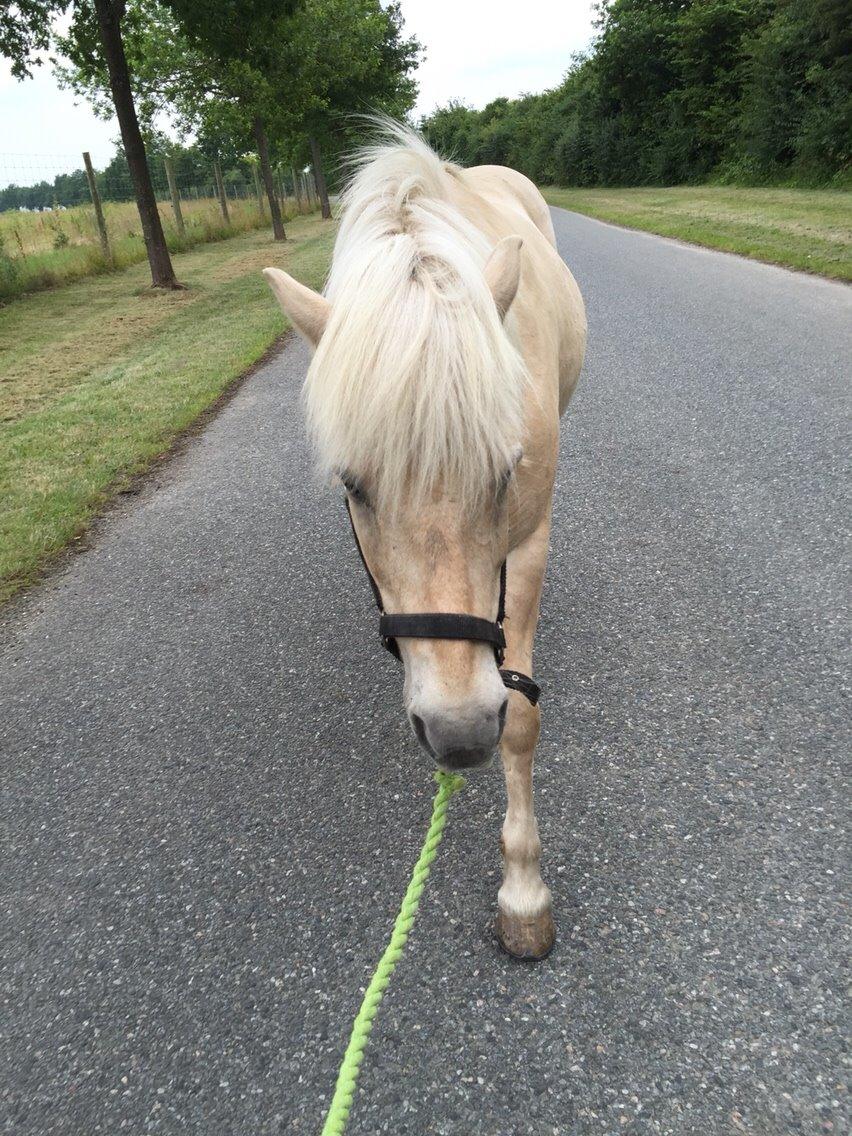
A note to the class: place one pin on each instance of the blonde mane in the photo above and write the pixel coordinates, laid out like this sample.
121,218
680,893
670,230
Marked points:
415,382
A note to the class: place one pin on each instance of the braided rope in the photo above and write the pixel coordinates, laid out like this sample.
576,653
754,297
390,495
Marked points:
344,1091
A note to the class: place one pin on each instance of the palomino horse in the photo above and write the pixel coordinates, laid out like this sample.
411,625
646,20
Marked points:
447,345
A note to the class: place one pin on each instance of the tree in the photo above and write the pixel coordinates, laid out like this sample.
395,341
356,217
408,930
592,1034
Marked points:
26,29
341,57
288,88
109,14
202,63
797,108
242,39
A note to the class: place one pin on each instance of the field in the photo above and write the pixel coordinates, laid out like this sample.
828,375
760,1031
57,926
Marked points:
98,378
809,230
44,250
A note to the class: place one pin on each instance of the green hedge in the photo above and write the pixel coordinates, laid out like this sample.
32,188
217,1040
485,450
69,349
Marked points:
677,92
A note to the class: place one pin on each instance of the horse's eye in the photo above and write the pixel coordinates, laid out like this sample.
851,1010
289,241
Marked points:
354,489
504,484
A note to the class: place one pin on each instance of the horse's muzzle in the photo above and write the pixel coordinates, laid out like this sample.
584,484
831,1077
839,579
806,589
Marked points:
456,742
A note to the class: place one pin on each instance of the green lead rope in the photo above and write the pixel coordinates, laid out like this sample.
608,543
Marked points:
344,1090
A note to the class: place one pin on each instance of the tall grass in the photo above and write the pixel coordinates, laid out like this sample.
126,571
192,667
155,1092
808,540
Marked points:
46,250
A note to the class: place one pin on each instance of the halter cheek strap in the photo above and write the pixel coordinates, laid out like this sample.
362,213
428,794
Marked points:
448,625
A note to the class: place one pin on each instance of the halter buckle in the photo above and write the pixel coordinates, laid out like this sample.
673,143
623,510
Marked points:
500,651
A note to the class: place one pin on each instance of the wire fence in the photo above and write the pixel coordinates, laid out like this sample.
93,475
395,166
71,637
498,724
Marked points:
49,203
61,222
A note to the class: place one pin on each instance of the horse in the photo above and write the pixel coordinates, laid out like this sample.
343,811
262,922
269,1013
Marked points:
446,346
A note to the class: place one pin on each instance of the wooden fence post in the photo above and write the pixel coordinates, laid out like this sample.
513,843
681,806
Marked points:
220,186
96,201
258,190
173,190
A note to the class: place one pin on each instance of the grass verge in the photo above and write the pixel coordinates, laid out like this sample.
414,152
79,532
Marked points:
98,379
810,230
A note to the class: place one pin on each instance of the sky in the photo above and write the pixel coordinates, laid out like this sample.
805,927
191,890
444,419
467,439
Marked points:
476,50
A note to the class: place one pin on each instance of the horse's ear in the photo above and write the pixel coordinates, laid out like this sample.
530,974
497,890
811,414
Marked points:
503,271
307,310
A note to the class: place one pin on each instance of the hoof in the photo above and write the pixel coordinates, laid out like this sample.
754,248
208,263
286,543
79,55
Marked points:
529,937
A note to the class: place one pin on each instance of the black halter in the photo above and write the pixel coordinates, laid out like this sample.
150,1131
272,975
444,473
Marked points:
448,625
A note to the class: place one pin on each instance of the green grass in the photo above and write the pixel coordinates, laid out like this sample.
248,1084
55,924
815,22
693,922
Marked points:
98,378
805,229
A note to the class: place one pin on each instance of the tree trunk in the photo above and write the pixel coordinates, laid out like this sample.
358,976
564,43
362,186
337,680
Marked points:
269,185
109,13
319,178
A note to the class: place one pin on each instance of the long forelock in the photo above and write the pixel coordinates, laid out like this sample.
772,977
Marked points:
415,383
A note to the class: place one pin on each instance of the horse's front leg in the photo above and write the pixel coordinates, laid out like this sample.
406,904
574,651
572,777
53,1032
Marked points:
524,917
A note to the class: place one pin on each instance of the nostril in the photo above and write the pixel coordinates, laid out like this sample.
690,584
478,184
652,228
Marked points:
420,732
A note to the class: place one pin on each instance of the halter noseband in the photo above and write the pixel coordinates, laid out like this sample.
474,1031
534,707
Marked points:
448,625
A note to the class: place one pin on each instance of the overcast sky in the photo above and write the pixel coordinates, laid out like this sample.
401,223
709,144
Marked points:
476,50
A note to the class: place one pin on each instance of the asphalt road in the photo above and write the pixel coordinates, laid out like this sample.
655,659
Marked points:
211,801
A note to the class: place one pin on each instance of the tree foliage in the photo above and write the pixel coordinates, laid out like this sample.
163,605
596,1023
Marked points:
25,30
344,59
304,70
679,91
